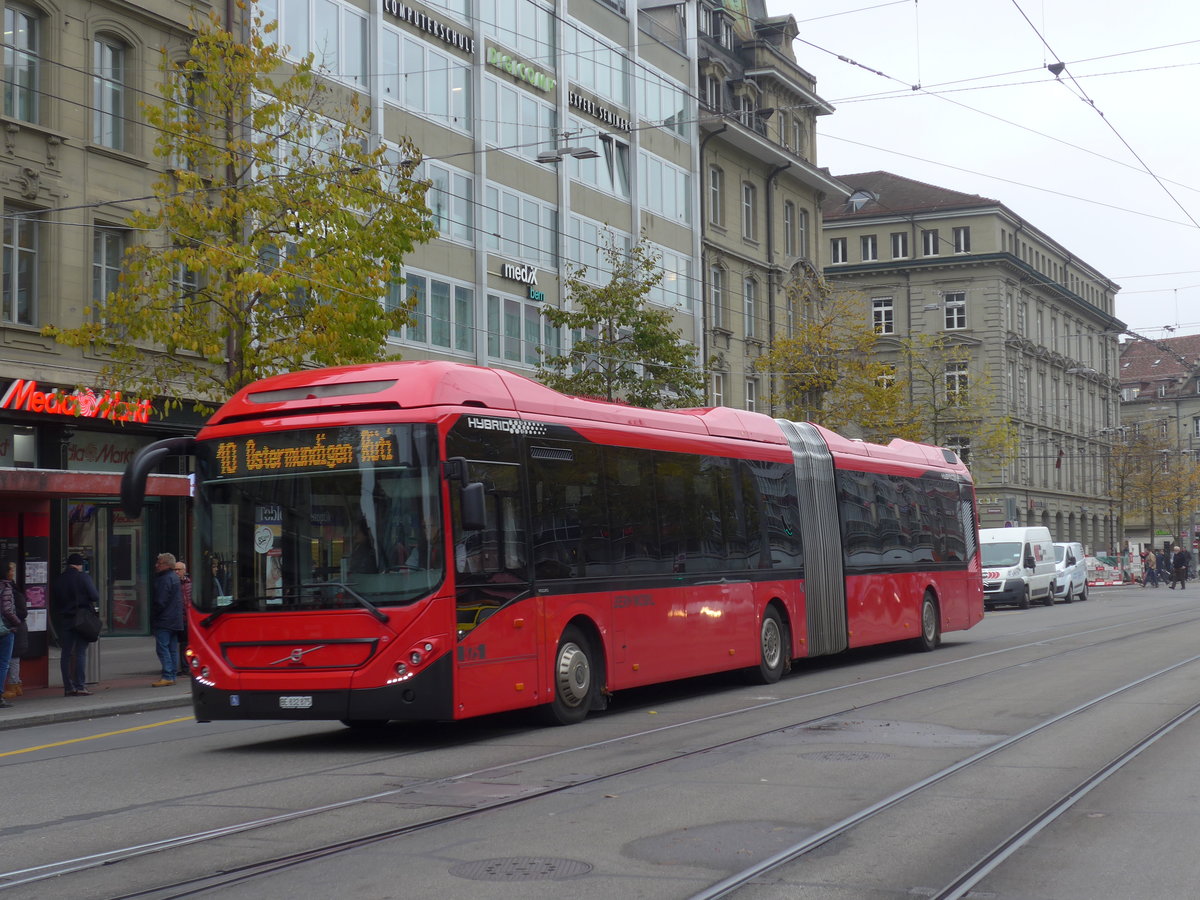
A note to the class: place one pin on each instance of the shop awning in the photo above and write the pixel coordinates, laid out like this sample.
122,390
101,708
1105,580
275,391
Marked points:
69,483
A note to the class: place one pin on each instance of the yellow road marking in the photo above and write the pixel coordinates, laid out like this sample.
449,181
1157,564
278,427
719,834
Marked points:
96,736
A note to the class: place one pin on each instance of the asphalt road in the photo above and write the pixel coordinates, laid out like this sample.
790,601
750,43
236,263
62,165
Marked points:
1037,756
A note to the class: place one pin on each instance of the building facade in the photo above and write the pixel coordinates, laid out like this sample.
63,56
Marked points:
761,192
1037,325
549,130
1160,419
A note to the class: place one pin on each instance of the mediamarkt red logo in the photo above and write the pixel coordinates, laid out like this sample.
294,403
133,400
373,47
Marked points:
24,395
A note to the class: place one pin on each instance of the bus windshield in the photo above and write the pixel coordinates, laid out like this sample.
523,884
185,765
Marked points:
333,518
1007,553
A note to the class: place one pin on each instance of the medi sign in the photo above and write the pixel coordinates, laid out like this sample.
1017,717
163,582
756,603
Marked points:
22,394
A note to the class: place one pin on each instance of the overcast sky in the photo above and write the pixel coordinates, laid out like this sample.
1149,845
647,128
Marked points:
1121,190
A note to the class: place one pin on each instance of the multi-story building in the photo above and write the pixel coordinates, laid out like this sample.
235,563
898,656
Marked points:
1037,321
1160,406
547,130
761,191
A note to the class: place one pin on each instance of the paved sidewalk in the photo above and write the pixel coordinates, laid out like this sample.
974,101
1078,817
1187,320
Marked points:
127,667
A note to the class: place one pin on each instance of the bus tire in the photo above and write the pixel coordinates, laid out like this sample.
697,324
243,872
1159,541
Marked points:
931,624
574,679
774,649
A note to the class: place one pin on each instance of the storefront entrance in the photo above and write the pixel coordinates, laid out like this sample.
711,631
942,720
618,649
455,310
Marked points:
118,561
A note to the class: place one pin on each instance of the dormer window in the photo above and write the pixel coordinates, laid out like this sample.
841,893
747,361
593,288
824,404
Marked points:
859,199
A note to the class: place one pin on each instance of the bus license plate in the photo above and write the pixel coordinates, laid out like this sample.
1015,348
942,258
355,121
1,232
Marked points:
295,702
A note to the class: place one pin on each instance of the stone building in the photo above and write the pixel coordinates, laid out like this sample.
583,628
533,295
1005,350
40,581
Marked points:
1038,322
1160,404
761,190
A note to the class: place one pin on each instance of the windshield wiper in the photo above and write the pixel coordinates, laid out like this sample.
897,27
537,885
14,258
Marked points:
359,598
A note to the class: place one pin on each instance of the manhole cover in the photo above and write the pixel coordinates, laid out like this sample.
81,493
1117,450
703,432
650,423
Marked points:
521,868
845,756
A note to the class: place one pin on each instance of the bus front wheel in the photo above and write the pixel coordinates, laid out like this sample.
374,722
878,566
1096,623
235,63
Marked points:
574,679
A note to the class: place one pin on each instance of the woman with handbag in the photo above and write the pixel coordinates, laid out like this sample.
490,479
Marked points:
13,686
9,623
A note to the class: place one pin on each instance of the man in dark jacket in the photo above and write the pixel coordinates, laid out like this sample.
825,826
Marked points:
166,617
1179,571
72,590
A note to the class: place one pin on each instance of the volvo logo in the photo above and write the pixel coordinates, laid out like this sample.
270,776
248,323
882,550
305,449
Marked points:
296,657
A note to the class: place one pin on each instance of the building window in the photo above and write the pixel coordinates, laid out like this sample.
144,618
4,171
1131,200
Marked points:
1196,427
21,238
716,297
837,250
956,309
789,228
449,199
956,383
716,195
962,240
752,394
712,92
960,444
442,314
798,138
887,378
899,245
108,93
883,313
750,306
21,29
749,211
108,250
929,242
802,233
517,331
870,247
718,389
609,172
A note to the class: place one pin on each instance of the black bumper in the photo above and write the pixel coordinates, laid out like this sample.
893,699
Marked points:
427,697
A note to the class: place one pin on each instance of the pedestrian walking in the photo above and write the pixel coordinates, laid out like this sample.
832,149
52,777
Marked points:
72,590
9,623
185,585
1180,562
166,617
13,686
1149,567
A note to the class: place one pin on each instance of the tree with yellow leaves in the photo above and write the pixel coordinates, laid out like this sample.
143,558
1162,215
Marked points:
278,227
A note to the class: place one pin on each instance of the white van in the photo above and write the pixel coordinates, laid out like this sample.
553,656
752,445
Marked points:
1018,566
1070,579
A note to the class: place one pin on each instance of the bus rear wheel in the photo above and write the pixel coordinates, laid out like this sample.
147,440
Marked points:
774,649
574,679
931,625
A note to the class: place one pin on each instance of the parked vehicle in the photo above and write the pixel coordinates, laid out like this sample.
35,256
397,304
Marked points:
1018,566
1070,580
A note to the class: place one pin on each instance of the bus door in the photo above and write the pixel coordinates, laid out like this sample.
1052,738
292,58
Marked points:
497,618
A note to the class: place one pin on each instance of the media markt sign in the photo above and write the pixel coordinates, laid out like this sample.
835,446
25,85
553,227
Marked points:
88,404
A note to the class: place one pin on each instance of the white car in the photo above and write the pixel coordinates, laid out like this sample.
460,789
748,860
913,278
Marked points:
1071,581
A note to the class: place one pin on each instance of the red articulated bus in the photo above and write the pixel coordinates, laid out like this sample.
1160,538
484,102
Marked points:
434,541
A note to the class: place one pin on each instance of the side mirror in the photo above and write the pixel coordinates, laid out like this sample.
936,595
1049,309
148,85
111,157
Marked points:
474,513
1029,562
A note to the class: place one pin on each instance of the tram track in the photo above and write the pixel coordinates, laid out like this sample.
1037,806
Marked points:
973,874
247,873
